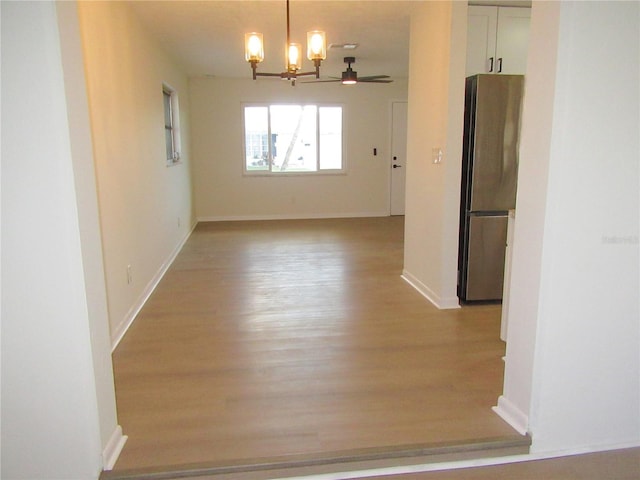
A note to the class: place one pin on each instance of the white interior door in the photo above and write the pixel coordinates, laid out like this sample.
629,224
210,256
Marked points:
398,156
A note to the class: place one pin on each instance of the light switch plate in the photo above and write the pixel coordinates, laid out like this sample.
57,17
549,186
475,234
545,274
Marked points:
436,155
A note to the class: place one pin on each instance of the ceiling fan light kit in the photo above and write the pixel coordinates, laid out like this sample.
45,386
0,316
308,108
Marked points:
316,52
349,76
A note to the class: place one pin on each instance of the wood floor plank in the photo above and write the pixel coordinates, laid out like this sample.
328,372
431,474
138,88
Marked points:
297,337
621,464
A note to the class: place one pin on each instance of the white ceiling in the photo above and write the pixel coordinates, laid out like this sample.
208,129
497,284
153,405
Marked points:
208,36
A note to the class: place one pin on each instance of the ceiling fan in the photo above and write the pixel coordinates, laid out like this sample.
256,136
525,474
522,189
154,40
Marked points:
350,76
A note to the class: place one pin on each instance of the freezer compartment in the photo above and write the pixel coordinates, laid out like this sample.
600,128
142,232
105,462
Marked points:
485,253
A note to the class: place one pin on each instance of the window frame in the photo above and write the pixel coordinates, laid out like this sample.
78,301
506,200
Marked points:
269,172
174,127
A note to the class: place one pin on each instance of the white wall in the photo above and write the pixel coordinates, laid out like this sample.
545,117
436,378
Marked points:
58,404
435,120
572,365
221,190
90,238
535,140
145,206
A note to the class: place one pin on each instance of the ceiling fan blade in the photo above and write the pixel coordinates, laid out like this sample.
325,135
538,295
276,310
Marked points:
372,77
360,80
367,79
321,81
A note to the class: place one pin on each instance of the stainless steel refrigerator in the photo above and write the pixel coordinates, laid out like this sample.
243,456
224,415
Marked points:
489,176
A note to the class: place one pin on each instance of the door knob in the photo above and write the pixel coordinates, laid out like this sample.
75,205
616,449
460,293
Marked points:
397,166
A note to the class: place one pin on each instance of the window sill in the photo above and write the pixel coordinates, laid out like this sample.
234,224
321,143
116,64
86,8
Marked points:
294,174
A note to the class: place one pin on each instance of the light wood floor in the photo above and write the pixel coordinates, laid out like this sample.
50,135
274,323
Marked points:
612,465
279,338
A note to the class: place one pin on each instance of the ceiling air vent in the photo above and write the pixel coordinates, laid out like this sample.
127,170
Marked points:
343,46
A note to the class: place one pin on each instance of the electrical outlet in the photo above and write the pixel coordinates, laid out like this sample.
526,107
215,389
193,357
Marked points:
129,277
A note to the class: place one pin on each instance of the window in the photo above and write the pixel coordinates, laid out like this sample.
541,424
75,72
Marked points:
292,139
171,125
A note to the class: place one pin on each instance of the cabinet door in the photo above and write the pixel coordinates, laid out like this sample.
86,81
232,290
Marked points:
512,42
481,38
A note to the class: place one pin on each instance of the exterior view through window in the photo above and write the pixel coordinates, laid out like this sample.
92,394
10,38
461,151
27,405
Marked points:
293,139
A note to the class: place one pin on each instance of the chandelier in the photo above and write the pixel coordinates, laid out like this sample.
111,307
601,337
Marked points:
316,52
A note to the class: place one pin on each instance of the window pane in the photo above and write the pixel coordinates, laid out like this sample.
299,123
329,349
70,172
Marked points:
330,138
256,134
168,140
167,109
293,131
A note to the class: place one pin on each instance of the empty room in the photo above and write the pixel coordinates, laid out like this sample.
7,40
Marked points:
248,268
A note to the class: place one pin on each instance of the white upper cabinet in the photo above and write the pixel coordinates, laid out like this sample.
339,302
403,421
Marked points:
497,39
512,42
482,28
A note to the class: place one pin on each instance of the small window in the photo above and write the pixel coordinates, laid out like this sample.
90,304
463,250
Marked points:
293,139
171,125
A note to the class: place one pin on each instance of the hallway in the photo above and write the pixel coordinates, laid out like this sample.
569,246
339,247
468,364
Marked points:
283,338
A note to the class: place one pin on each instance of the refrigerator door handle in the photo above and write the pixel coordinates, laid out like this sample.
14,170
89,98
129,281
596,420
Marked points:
490,64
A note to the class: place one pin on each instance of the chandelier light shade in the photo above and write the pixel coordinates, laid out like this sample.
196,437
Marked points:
316,46
316,52
254,51
294,58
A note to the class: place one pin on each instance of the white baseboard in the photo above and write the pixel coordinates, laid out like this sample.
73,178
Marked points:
123,326
440,302
447,466
512,415
113,448
306,216
605,447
